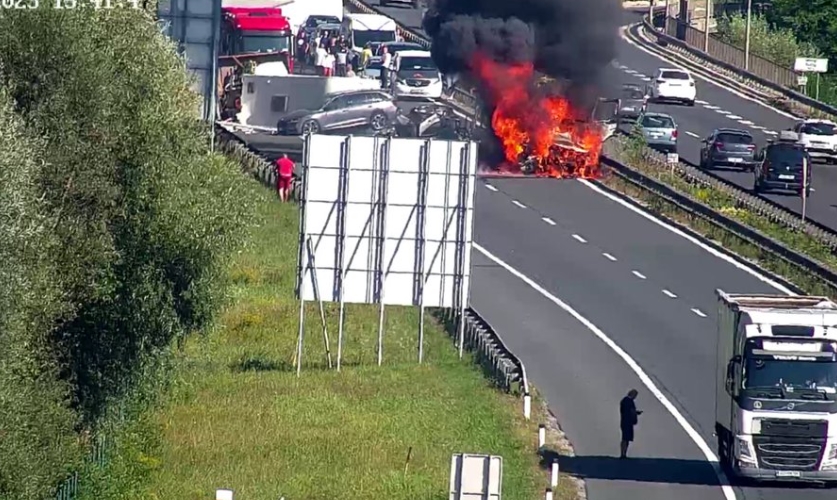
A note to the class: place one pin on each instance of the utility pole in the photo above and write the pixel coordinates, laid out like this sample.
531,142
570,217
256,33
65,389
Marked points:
708,4
747,36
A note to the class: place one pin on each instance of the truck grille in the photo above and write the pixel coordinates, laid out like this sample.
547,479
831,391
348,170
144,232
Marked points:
786,453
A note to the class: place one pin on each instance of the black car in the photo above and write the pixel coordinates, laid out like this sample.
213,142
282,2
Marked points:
728,147
783,165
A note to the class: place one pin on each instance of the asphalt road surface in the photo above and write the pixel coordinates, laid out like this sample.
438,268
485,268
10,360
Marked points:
716,107
649,289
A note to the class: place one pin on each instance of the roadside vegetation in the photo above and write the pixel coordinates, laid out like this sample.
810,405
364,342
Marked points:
633,151
787,30
116,228
237,416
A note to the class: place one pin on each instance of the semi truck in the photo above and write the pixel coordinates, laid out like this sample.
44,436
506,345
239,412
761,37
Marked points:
257,30
776,387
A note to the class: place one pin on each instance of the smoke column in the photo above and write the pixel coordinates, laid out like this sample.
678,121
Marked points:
570,40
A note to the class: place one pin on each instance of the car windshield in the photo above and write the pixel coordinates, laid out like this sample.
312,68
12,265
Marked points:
632,94
657,122
361,38
674,75
315,21
819,129
392,48
728,138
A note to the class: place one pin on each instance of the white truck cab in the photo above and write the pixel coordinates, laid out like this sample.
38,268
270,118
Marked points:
819,138
776,387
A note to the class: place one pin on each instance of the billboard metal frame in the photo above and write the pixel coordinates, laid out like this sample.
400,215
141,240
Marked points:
460,167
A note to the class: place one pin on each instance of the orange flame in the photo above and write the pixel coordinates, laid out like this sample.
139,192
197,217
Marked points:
545,131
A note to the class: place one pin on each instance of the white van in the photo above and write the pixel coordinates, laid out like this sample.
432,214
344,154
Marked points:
360,29
414,74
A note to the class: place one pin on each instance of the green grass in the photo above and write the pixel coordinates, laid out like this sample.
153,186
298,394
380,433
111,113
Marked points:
239,418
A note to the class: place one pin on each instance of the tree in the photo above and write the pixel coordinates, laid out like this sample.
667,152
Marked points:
774,44
132,224
812,21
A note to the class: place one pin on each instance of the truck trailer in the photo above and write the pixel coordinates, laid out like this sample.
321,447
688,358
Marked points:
776,387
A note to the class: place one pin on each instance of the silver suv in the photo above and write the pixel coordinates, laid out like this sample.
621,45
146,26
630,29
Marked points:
362,108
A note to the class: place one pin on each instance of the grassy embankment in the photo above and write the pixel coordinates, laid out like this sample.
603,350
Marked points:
239,418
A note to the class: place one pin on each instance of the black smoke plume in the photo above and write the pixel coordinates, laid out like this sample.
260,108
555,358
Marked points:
570,40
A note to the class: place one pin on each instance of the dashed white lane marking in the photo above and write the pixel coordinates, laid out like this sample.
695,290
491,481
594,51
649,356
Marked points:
645,78
770,132
745,122
733,117
631,71
757,127
521,205
722,112
548,221
638,275
579,238
692,134
669,294
490,187
710,106
701,102
609,257
699,312
647,381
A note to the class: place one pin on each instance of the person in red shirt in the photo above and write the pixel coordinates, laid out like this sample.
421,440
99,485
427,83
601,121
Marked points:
284,177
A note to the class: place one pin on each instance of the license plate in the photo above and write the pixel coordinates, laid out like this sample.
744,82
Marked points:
736,160
787,177
787,473
416,91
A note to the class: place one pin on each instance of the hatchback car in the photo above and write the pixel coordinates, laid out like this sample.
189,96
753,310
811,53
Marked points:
674,85
783,165
633,102
364,108
728,147
659,131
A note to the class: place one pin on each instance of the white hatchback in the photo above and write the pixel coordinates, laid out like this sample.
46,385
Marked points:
674,85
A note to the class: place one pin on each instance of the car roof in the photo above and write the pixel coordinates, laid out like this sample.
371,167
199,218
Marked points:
676,70
412,44
817,120
732,131
355,92
414,53
654,114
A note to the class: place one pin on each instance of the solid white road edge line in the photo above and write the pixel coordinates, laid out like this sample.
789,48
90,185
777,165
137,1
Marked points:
721,255
701,77
727,490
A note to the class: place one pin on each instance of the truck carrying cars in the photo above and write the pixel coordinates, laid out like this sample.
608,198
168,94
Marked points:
776,387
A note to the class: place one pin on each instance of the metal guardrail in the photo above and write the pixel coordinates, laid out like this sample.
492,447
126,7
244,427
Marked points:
773,78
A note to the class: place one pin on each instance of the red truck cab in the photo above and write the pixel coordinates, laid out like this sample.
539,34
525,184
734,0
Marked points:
257,30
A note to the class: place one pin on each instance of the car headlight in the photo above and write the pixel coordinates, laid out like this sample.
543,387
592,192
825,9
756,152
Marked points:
832,453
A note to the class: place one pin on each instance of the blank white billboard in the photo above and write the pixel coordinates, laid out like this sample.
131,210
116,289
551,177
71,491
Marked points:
389,220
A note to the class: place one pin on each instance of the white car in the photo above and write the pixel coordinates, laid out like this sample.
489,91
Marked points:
414,74
674,85
819,138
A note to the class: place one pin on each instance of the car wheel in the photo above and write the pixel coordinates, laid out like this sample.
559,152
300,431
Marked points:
690,103
310,127
378,121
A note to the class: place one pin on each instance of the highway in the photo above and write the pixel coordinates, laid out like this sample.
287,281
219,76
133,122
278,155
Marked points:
717,107
647,288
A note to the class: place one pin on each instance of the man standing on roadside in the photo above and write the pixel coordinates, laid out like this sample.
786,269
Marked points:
628,418
284,177
386,62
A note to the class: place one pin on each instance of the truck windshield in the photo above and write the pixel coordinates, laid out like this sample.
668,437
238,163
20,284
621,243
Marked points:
265,42
361,38
771,371
822,128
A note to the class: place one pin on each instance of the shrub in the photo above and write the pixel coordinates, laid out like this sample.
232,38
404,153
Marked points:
772,43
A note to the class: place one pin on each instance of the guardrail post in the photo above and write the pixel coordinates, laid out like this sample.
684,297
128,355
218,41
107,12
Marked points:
541,436
527,406
553,479
548,494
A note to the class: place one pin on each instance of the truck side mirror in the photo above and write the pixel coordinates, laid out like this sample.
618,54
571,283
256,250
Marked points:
730,379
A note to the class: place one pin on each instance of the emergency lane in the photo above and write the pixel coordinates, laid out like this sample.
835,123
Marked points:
613,266
717,107
585,391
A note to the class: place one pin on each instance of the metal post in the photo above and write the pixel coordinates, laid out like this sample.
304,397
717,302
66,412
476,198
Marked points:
817,91
667,13
382,238
422,244
301,260
464,191
651,13
706,26
341,217
804,188
747,35
312,264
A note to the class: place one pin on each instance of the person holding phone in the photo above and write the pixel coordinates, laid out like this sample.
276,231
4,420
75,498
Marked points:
628,418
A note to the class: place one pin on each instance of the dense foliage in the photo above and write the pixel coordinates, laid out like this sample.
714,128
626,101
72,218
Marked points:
774,43
116,226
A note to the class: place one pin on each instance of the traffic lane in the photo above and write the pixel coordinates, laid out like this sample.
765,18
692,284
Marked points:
626,243
634,58
405,14
665,337
583,380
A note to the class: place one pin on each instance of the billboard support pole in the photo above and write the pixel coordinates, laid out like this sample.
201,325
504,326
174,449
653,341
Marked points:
312,271
421,227
383,192
345,167
459,272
